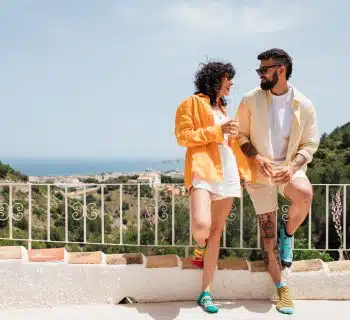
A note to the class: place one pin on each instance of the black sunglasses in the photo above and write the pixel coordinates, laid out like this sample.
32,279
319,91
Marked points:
263,70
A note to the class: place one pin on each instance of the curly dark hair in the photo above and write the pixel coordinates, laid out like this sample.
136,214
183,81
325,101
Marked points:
280,56
208,78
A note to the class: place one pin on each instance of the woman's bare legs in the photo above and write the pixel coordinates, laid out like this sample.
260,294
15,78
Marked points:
200,201
220,210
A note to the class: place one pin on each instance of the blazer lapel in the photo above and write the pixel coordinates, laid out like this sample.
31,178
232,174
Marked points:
264,117
295,127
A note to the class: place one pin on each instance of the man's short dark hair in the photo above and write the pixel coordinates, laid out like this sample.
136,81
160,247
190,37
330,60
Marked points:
280,56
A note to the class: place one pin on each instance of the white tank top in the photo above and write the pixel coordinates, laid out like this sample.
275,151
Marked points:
228,159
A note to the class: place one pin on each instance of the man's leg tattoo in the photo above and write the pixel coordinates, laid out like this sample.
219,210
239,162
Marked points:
267,232
266,258
267,227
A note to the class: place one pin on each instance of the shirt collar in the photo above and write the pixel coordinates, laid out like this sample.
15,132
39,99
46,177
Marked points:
297,97
207,99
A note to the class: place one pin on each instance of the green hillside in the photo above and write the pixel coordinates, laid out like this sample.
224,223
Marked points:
331,163
8,173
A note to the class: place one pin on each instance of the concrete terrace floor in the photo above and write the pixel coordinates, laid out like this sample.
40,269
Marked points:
184,310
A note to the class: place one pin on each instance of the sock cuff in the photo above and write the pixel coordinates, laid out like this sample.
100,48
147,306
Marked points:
280,285
202,248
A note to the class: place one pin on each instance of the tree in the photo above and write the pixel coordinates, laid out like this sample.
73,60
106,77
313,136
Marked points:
323,138
346,140
165,179
90,181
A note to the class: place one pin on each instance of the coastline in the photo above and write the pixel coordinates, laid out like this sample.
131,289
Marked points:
92,168
106,177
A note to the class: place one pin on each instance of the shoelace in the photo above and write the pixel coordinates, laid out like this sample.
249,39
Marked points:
207,302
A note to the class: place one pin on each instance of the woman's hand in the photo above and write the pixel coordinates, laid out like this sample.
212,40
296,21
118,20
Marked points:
230,127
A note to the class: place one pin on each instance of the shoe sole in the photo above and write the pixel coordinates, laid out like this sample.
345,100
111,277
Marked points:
284,310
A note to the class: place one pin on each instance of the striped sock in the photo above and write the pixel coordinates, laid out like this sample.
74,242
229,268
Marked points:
285,302
198,256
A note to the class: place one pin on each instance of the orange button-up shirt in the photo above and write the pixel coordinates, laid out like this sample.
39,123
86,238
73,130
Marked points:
195,129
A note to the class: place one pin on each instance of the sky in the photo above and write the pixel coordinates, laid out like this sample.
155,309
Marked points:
103,79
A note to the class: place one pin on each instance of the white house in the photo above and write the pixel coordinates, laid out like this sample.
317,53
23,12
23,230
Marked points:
150,178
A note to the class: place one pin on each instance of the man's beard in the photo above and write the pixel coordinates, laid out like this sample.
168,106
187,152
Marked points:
269,84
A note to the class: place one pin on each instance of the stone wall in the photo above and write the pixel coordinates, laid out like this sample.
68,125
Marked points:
54,277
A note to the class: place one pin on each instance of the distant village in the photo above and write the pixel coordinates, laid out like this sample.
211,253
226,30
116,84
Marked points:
148,177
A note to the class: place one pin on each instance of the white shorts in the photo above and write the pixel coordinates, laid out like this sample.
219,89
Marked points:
230,186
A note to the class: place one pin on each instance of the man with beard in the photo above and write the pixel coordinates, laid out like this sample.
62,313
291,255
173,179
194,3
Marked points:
278,133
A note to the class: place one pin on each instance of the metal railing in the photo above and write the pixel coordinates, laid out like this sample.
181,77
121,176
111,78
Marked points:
153,215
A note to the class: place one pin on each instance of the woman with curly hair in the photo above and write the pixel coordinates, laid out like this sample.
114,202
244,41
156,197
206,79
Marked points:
213,156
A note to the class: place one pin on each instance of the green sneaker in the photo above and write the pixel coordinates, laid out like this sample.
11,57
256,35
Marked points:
205,300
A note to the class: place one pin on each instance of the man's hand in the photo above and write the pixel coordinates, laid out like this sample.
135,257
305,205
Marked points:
285,174
264,165
230,127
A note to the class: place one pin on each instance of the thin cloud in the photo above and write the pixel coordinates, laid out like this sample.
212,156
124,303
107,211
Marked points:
211,17
228,19
174,29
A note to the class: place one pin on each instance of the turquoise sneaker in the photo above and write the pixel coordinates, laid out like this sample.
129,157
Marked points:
286,247
205,301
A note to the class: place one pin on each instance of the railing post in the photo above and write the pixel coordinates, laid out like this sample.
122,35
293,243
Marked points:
173,215
120,214
327,215
84,213
138,215
258,233
66,213
30,213
48,212
241,221
344,217
156,217
102,214
186,252
224,235
190,224
10,210
310,225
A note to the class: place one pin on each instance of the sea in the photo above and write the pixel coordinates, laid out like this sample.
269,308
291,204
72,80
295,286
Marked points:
66,167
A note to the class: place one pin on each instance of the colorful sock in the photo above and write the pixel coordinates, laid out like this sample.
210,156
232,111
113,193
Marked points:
198,256
285,303
286,247
280,285
205,300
